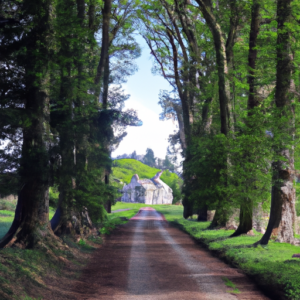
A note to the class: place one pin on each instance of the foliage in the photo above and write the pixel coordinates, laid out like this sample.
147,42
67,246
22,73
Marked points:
167,164
110,224
92,193
82,242
54,54
7,205
242,180
149,158
232,285
53,196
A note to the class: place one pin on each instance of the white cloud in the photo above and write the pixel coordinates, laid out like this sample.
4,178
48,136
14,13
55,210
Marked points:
153,134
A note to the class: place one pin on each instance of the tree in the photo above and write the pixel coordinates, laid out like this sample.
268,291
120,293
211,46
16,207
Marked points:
134,155
32,210
167,164
149,158
246,209
176,191
283,213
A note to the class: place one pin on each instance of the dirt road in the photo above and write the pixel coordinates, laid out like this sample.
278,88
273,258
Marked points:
147,259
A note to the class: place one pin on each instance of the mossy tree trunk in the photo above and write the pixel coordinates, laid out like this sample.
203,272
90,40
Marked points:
283,215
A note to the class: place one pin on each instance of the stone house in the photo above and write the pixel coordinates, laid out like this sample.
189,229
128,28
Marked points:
148,191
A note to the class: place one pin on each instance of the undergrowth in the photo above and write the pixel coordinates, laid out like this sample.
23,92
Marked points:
18,267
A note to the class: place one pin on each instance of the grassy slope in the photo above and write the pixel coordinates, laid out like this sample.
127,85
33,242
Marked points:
271,266
124,169
27,272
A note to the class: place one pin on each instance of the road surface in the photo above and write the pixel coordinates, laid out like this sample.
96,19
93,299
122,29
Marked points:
146,259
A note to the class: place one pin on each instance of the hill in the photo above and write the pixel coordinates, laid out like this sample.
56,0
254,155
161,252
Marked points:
124,169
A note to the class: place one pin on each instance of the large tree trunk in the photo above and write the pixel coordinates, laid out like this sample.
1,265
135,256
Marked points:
221,219
106,12
178,111
107,205
246,208
282,216
246,218
62,223
69,131
33,205
202,214
220,47
206,8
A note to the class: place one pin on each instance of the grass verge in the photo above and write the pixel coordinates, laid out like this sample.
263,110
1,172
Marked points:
42,274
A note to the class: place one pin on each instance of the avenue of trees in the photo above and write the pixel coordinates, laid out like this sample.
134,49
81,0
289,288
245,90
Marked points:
234,70
61,109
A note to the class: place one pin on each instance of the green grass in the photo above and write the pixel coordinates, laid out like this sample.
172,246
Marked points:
6,213
23,268
171,212
230,284
124,169
271,266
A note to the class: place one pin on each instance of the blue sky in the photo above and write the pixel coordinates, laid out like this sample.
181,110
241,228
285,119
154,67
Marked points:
144,88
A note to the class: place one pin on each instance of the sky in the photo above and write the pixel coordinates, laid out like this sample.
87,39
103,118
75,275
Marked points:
144,88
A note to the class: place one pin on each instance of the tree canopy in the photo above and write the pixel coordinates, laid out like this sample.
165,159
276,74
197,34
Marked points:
233,67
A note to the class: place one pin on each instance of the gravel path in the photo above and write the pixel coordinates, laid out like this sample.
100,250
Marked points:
147,259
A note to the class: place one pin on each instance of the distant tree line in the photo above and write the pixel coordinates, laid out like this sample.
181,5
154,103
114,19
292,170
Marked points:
150,160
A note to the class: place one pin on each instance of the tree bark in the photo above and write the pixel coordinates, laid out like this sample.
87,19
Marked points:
178,111
108,203
252,56
220,47
223,53
71,134
282,215
221,219
246,208
65,203
33,206
106,12
105,84
246,218
202,214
